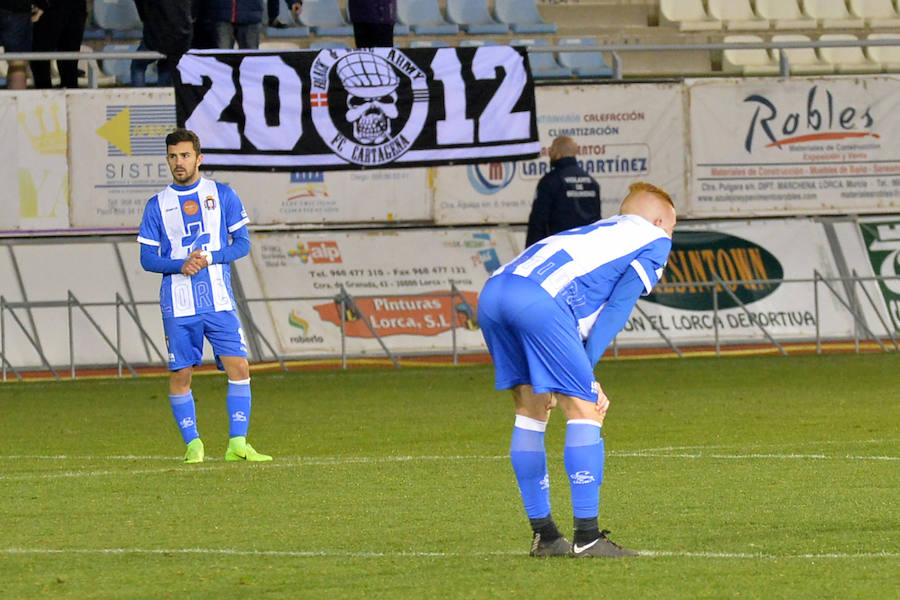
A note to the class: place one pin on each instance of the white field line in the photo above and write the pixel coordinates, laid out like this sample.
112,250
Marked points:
415,554
215,464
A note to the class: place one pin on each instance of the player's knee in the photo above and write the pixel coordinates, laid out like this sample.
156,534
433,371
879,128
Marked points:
578,408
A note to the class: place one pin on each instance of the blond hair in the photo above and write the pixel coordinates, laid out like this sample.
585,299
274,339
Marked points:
642,186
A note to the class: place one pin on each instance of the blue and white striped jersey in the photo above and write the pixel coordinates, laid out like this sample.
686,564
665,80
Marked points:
580,267
181,219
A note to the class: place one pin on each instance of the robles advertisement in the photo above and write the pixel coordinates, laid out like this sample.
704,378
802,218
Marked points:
798,146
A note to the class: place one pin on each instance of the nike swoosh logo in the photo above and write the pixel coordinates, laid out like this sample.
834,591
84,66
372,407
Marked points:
171,209
579,549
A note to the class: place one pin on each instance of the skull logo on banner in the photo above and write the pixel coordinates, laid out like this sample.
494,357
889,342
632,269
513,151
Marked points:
371,85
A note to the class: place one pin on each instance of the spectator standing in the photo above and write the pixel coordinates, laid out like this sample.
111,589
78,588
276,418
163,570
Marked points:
168,29
61,27
17,18
237,21
373,22
566,197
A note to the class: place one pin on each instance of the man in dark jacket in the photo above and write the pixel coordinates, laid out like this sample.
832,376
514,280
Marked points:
373,22
566,197
61,27
237,21
168,29
16,19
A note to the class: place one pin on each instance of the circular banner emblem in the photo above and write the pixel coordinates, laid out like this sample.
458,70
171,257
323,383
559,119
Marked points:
368,106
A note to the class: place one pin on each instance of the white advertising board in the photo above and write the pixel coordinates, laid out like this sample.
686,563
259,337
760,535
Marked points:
33,128
400,281
118,157
797,146
118,162
773,249
625,133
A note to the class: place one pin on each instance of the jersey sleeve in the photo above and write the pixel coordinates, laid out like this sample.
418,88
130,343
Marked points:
232,208
651,261
151,224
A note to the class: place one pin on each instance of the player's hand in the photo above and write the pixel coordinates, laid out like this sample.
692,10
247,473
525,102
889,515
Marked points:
193,263
602,404
296,9
36,14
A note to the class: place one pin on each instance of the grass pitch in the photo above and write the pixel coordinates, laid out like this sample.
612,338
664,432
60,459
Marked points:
758,477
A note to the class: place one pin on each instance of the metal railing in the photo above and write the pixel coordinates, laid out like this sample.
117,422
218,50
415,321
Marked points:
615,50
349,303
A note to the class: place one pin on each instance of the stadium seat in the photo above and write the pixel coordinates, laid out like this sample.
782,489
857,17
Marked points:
784,14
326,45
477,43
290,28
688,15
424,18
522,16
887,56
878,14
584,64
737,15
120,68
802,61
847,59
279,45
91,68
117,16
543,65
399,28
324,17
473,17
419,43
749,61
831,14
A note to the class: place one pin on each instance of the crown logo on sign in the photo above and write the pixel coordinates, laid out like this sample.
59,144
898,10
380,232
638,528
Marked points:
45,141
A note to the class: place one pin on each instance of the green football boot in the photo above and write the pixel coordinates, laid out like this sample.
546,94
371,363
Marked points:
194,453
239,449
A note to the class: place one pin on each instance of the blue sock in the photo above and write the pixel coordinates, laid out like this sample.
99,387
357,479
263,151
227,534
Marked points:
185,415
584,464
529,461
238,403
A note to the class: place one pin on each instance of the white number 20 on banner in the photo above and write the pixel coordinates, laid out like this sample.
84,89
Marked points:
346,109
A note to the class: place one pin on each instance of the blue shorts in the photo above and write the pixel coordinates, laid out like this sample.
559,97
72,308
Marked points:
533,340
15,31
184,338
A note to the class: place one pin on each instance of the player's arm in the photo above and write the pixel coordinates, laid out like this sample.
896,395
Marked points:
239,247
614,315
153,262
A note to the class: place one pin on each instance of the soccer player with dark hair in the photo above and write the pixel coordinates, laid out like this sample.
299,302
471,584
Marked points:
547,317
184,235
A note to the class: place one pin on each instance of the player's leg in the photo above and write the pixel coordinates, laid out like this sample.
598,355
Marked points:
528,455
584,458
496,307
184,340
224,332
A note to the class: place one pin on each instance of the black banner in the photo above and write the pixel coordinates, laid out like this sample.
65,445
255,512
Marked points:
353,109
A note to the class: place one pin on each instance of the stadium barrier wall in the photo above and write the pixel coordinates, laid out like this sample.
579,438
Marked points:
89,159
727,282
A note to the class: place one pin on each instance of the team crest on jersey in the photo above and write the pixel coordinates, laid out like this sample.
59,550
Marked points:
210,203
191,207
354,103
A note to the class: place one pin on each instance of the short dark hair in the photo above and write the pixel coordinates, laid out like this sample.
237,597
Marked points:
183,135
